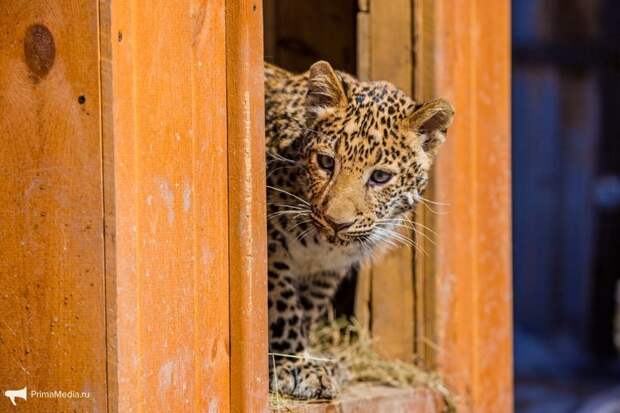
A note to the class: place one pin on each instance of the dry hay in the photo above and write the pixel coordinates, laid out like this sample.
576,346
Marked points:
347,343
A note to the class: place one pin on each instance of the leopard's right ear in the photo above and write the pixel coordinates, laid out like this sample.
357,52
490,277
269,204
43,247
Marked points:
325,91
431,121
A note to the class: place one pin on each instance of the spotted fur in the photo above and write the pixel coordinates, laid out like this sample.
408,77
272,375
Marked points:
346,160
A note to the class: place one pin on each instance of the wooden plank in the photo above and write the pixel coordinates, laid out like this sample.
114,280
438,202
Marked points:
391,42
363,44
473,172
248,239
364,276
362,305
392,303
165,175
52,323
425,214
298,42
364,398
270,19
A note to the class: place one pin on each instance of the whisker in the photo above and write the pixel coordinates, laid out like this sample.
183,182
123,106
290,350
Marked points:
393,220
433,202
415,231
426,228
297,212
303,234
312,232
279,157
299,223
402,239
419,224
364,246
272,171
429,208
413,228
368,244
288,193
304,128
288,206
384,238
298,237
398,236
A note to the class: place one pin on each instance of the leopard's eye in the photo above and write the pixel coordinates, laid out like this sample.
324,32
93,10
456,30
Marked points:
380,177
326,162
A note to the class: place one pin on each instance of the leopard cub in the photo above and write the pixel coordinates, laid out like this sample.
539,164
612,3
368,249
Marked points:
346,160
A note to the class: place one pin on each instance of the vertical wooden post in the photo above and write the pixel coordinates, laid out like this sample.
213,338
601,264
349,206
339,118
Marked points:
52,319
246,166
426,214
363,304
473,306
115,193
385,53
166,204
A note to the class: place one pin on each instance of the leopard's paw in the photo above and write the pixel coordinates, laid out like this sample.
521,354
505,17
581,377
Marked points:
306,379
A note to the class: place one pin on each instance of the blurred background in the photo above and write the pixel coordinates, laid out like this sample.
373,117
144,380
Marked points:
566,204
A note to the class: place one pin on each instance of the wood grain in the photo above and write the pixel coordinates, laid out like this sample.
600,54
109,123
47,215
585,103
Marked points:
426,214
52,322
474,302
300,33
363,302
390,29
166,204
248,241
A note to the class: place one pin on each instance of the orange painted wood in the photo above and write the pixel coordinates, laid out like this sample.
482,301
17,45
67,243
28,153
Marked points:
474,323
166,205
246,167
52,320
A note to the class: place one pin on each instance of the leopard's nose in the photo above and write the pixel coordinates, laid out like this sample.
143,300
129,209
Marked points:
338,225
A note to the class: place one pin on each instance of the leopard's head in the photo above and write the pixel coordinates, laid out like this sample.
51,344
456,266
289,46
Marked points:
367,152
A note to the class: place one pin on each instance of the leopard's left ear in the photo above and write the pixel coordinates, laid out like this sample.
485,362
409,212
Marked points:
325,91
431,121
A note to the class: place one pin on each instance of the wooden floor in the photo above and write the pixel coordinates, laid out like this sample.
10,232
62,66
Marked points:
376,399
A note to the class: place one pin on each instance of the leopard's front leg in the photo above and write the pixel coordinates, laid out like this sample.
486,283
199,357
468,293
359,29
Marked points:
292,371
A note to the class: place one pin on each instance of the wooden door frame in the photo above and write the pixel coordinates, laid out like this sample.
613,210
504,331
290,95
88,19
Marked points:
135,192
465,58
209,130
164,134
212,52
462,291
247,206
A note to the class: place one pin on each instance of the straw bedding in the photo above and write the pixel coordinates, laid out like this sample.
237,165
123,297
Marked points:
349,344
